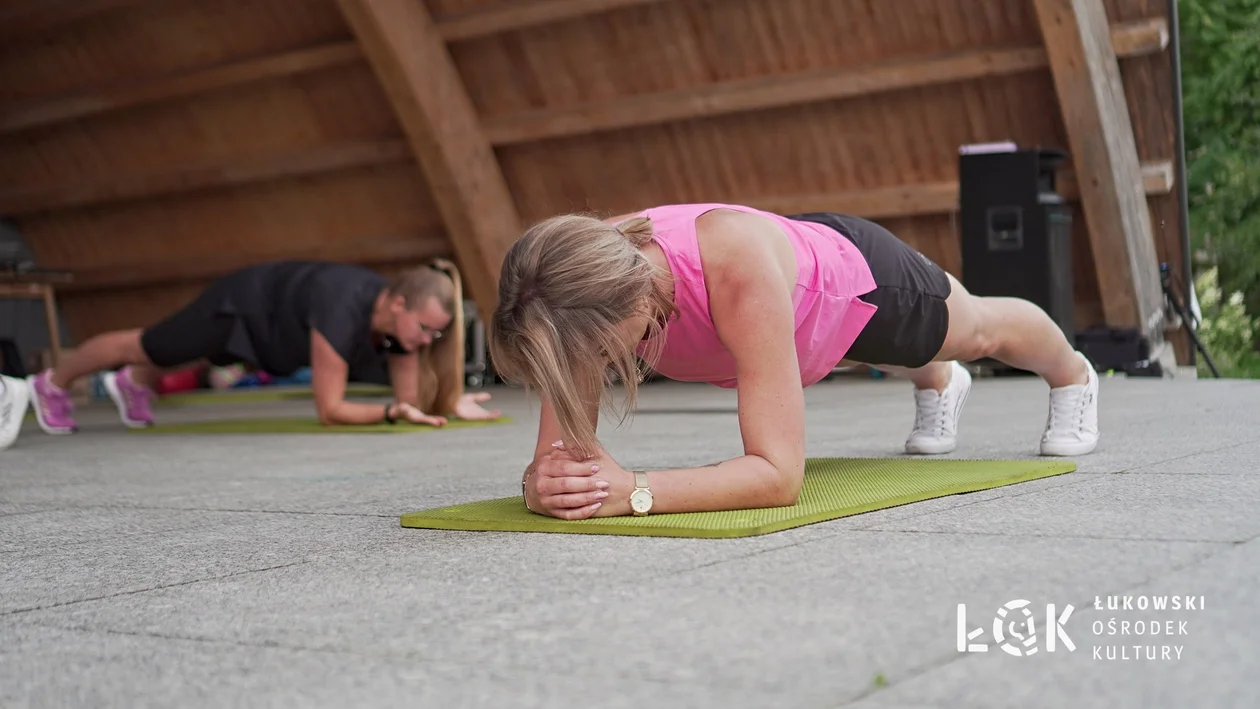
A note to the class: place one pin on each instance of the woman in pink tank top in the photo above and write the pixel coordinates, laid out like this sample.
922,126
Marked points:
762,303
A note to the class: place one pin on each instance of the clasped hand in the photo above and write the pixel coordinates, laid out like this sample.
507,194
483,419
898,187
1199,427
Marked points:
561,485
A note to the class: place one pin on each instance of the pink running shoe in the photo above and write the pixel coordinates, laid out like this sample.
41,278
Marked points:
53,408
133,400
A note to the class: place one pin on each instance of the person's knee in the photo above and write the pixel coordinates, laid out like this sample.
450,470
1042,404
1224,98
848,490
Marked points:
131,348
974,334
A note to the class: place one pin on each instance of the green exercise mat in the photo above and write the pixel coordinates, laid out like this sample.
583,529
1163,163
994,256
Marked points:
254,394
834,488
303,424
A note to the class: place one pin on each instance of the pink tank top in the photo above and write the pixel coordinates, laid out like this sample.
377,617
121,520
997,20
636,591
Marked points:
831,274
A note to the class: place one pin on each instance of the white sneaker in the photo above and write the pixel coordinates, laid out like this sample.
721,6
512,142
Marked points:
14,398
1072,426
936,414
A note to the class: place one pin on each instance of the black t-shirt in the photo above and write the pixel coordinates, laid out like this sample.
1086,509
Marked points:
278,304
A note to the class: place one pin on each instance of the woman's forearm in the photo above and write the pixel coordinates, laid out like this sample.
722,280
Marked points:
344,413
746,482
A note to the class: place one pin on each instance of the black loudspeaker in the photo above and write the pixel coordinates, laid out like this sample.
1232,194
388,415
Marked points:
1016,229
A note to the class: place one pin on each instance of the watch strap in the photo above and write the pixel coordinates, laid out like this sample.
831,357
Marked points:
640,479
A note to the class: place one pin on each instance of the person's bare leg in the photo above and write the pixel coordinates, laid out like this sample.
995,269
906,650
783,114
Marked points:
145,374
1012,331
1018,333
105,351
931,376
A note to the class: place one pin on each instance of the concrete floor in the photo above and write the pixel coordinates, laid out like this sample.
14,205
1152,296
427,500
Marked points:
271,571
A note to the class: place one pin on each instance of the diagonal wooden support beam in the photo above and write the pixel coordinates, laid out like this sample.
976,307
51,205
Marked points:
411,60
1104,154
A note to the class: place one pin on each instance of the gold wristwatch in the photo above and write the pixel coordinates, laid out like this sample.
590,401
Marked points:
641,498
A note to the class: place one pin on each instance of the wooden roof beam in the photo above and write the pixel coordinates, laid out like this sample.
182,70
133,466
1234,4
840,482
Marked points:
933,197
368,251
1134,39
1095,113
50,14
39,198
420,79
31,114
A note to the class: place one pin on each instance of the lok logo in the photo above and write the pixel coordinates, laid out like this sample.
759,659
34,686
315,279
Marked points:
1015,629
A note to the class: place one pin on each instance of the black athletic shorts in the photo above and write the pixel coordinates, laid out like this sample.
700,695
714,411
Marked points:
909,328
200,330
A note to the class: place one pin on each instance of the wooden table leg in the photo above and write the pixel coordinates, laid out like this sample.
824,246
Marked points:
54,325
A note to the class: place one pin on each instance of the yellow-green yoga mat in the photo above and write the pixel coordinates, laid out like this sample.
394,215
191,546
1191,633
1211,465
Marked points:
293,424
253,394
833,488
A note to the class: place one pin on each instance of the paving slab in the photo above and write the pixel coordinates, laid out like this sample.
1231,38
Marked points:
812,620
1219,508
271,570
67,668
1208,659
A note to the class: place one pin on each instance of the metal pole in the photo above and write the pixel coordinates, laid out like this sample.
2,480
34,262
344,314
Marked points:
1183,198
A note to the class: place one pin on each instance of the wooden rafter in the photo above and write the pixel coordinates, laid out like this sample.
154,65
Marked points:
52,14
1130,40
46,112
897,201
932,197
38,198
370,251
1104,153
420,79
1135,39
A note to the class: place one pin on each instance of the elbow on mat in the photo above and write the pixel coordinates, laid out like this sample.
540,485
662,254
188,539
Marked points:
784,487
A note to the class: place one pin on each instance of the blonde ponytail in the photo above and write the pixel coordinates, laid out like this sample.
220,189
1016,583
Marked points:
442,366
638,230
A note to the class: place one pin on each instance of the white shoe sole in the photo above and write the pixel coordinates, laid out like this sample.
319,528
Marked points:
39,412
110,379
1068,449
21,399
937,447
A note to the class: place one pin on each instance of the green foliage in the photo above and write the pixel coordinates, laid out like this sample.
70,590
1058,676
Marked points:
1227,331
1220,46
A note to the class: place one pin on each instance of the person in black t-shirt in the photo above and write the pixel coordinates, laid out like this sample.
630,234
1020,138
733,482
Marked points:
347,323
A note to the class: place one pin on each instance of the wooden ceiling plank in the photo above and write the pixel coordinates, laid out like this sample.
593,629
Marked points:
1101,140
38,18
510,16
419,77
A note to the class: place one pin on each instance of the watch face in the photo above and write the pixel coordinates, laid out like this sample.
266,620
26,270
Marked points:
641,501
